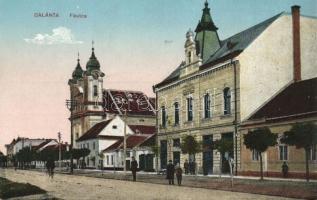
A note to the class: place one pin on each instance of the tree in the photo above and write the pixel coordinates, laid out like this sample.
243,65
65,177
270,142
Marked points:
302,135
222,146
190,145
260,140
102,157
80,153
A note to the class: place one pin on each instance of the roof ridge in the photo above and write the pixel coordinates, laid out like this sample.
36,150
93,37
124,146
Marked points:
256,25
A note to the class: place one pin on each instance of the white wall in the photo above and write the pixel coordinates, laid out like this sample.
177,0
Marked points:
267,64
119,131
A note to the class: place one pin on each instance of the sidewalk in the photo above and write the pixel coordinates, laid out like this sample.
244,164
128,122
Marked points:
227,176
292,188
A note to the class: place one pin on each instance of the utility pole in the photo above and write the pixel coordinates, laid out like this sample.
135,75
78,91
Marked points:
60,151
71,104
125,142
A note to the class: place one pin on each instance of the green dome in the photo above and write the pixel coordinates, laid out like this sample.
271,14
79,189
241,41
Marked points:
93,63
78,72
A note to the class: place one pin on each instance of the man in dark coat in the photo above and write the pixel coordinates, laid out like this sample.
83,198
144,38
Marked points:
186,166
285,169
134,167
170,170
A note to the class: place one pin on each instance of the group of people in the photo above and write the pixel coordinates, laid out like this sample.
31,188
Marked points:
171,170
190,167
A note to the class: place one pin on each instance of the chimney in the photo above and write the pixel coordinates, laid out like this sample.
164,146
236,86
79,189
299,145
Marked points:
296,42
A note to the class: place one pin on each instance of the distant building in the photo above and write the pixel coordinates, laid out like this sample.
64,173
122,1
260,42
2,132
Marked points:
138,146
95,104
97,110
222,83
108,133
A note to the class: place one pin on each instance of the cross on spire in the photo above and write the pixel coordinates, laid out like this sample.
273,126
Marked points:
78,56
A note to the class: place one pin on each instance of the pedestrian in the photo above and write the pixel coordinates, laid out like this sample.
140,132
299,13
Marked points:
285,169
186,166
170,170
134,167
191,167
179,172
50,165
15,165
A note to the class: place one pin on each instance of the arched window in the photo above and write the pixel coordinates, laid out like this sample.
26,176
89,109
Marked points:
227,101
176,108
163,116
189,109
207,106
95,90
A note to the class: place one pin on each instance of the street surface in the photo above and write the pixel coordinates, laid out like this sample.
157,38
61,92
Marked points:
80,187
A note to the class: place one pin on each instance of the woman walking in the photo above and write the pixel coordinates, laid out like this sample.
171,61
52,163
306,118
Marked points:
179,173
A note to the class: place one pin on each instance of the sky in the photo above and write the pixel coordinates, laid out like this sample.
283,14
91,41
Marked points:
137,42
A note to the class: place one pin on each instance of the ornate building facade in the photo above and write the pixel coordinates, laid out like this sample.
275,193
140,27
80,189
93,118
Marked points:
222,83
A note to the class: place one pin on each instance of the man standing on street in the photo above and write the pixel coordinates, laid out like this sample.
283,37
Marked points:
134,167
170,170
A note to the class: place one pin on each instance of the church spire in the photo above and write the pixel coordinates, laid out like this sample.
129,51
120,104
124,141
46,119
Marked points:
207,40
206,22
78,72
93,63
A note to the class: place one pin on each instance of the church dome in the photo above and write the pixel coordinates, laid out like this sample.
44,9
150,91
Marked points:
93,63
78,72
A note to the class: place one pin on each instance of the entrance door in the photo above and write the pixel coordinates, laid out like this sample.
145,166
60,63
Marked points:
176,157
163,154
225,163
207,155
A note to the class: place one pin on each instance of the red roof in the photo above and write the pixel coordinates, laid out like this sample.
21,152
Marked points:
136,103
94,131
142,129
132,141
298,99
115,145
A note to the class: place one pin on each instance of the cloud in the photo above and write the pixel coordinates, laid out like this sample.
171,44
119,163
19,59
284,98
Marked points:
60,35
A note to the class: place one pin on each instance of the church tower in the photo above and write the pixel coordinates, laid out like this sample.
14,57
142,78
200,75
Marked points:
192,59
206,35
86,90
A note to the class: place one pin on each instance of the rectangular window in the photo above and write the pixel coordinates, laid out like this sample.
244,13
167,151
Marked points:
163,116
189,109
176,142
95,90
176,107
111,159
227,101
255,155
107,158
207,106
283,152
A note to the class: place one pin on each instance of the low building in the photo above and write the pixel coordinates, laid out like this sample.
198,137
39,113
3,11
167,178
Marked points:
104,134
294,104
137,146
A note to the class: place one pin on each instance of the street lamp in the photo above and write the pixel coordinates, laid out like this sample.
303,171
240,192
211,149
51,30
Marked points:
71,104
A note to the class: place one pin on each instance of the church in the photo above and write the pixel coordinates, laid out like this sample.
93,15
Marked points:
99,115
225,84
